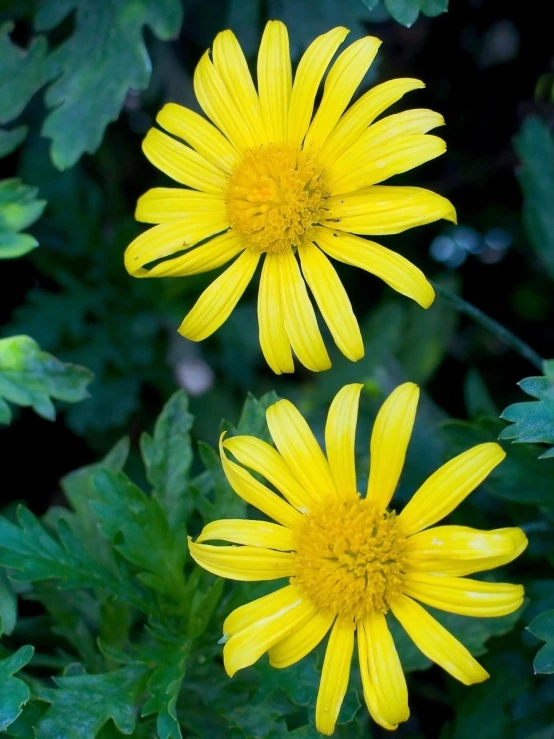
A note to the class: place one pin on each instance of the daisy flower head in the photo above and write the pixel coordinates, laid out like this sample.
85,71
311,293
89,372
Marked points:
268,181
350,559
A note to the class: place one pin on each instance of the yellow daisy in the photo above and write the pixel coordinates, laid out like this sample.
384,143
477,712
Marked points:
270,178
350,559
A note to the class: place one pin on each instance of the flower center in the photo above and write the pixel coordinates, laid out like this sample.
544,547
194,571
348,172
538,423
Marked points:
349,558
275,197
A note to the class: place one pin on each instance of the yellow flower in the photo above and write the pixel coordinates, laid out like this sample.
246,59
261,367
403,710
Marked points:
350,559
270,178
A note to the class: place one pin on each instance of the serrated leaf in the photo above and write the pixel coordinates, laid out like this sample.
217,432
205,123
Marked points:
407,11
14,693
164,685
10,140
543,628
97,65
81,704
31,377
226,504
19,208
168,457
533,422
534,146
252,421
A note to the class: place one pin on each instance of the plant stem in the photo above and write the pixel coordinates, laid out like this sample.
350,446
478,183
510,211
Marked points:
491,325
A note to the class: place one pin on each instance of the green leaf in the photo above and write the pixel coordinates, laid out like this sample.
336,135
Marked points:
82,704
168,457
478,400
10,140
97,65
407,11
226,504
18,210
533,422
31,377
14,693
164,685
534,146
543,628
8,605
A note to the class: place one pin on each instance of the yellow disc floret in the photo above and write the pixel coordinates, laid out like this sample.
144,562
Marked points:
275,197
349,558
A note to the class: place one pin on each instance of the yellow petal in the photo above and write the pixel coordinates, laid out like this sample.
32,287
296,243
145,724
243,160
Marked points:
274,79
300,320
449,486
462,595
300,643
297,444
397,155
257,494
250,533
266,461
389,442
182,163
460,550
220,107
357,118
334,676
342,81
395,270
244,616
217,302
380,210
271,318
419,120
333,301
242,563
166,239
200,134
436,643
246,647
381,670
166,204
231,64
309,74
340,439
213,254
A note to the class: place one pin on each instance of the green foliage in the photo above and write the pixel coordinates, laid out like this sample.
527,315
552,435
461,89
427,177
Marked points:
14,693
543,628
31,377
534,146
10,140
407,11
19,208
533,422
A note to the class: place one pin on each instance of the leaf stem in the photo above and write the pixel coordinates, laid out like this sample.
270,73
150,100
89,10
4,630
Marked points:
491,325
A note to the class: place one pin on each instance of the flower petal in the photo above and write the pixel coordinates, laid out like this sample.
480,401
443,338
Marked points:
266,461
342,81
392,268
248,645
462,595
218,300
382,672
273,337
166,239
244,616
300,320
166,204
381,210
460,550
300,643
218,104
332,300
436,643
309,74
297,444
231,64
250,533
340,439
274,79
257,494
364,111
389,442
242,563
449,485
200,134
334,676
182,163
213,254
